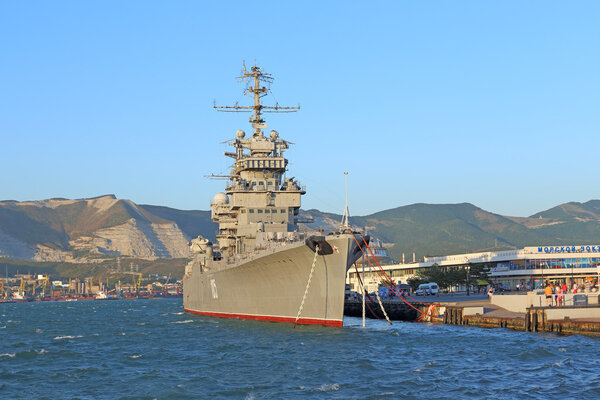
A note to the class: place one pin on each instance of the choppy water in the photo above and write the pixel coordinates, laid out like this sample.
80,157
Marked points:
151,349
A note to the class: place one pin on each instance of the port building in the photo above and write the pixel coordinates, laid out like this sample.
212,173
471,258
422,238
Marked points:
528,267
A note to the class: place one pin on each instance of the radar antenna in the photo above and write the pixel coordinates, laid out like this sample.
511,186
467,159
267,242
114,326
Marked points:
256,76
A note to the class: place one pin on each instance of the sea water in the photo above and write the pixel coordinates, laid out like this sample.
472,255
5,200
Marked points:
147,349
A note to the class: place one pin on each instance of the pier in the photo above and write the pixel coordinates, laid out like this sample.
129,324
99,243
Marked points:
477,310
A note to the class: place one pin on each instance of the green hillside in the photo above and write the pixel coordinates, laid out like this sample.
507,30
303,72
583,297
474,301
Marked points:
439,229
573,211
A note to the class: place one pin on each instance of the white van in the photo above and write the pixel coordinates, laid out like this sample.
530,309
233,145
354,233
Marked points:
425,289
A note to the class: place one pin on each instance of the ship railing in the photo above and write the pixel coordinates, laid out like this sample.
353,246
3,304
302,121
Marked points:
271,246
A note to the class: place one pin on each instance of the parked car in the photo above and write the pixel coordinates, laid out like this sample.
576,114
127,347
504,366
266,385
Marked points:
426,289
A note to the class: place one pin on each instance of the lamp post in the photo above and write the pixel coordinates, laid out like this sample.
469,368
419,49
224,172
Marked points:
468,269
572,279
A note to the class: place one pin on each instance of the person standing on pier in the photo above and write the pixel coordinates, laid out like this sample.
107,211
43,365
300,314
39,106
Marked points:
548,296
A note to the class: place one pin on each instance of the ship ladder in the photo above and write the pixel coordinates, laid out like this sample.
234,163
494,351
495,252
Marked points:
307,285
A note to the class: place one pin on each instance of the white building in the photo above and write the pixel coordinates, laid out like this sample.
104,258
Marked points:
530,266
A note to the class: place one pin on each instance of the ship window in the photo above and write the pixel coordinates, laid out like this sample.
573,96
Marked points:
251,211
243,211
267,211
261,183
283,211
260,211
269,183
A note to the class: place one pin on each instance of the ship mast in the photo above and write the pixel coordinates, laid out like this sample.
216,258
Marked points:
345,217
259,202
256,76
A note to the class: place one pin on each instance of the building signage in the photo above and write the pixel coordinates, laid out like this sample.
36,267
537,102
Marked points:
568,249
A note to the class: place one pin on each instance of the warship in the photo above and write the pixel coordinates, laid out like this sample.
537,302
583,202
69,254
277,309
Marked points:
262,266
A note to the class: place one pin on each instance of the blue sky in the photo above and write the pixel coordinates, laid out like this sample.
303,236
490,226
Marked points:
495,103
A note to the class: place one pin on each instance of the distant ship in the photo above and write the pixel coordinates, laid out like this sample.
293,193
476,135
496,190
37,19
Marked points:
19,297
262,267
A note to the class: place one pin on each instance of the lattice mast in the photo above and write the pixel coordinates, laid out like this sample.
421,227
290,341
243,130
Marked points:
256,76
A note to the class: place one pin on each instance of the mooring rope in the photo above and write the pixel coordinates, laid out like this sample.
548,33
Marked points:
385,277
307,285
365,293
381,305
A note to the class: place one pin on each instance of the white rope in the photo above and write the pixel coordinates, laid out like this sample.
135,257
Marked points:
381,305
307,284
379,300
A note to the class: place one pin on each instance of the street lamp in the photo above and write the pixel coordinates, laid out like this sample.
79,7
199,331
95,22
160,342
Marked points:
468,269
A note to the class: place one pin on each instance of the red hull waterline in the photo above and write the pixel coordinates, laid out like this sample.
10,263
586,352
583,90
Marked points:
271,318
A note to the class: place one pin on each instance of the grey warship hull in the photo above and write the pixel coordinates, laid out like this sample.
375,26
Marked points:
270,286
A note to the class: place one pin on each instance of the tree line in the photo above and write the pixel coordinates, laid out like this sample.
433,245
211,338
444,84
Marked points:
448,277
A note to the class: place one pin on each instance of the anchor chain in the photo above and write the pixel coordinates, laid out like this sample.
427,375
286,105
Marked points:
307,284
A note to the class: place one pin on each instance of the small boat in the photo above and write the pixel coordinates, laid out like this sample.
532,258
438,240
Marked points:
19,297
102,295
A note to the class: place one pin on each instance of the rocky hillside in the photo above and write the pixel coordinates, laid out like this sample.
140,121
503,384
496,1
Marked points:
93,229
85,229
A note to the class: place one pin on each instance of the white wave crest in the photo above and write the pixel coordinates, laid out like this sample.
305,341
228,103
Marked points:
42,351
328,388
67,337
187,321
10,355
134,356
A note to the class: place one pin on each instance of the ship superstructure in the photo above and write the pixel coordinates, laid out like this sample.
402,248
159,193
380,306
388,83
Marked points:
259,267
260,203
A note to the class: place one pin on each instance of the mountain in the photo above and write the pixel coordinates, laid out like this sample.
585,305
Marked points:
92,230
87,229
584,212
439,229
